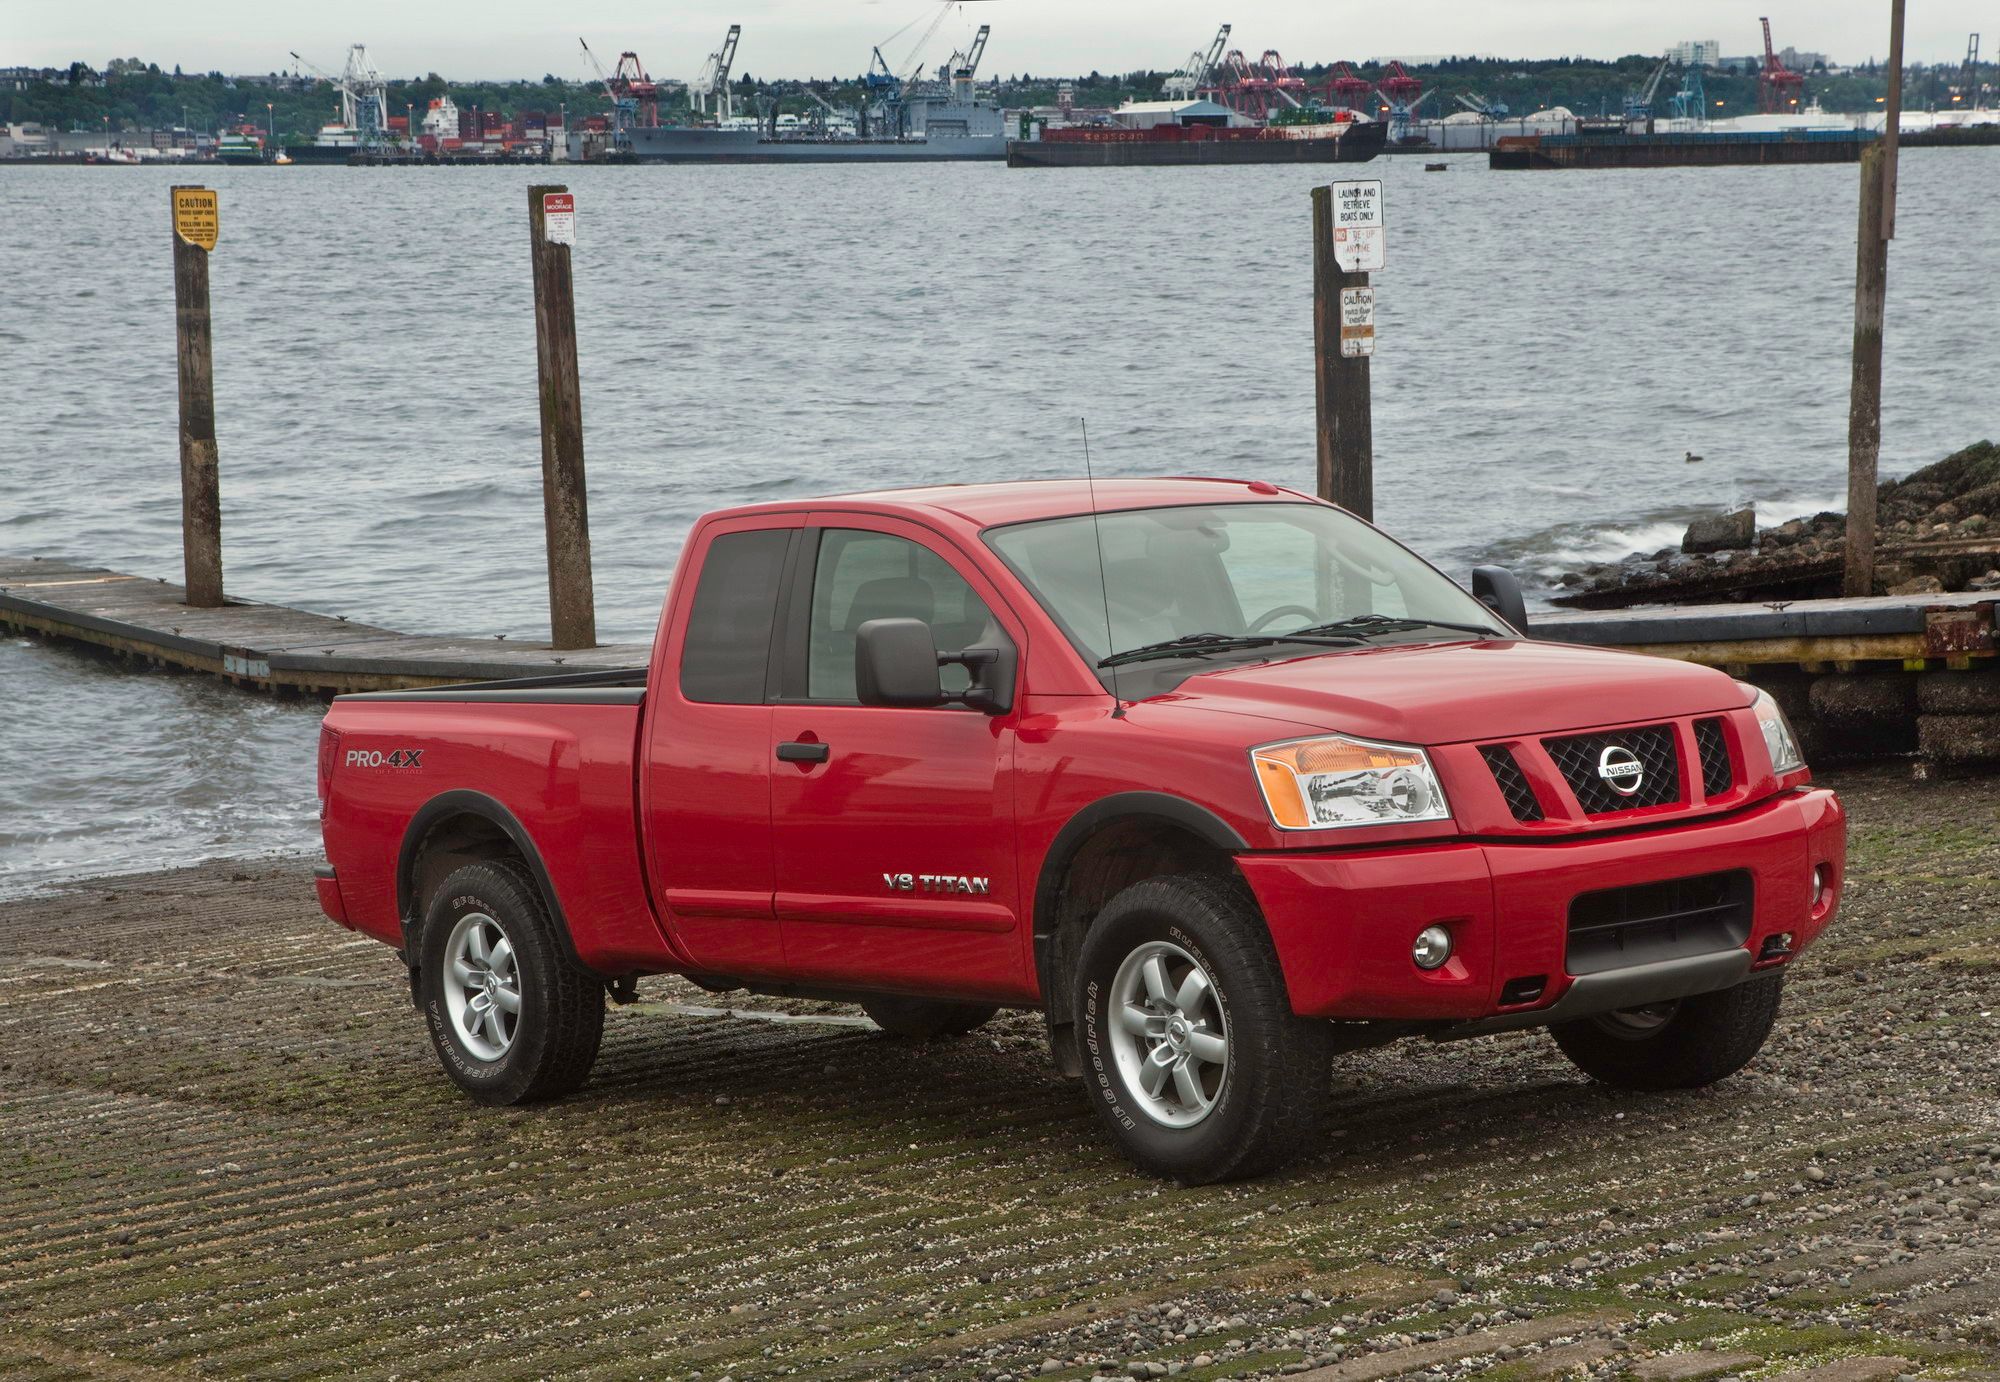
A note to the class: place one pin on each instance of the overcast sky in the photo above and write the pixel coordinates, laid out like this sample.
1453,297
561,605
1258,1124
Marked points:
817,38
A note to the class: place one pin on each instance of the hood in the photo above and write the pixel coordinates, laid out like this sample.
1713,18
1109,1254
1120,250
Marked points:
1444,693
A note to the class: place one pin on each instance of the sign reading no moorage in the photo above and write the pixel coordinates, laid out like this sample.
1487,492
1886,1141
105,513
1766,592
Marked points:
559,218
1357,225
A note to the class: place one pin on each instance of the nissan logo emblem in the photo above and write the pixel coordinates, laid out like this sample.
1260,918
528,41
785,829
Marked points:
1621,770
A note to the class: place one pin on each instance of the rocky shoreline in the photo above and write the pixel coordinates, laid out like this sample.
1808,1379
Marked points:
1938,530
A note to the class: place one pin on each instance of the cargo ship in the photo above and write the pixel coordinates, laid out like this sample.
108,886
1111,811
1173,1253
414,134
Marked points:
1199,133
903,120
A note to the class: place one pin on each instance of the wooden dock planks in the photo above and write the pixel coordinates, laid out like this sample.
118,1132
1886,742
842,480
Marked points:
260,645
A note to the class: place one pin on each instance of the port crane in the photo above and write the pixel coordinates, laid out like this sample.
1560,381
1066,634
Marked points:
710,90
1778,87
1346,90
1691,101
1968,76
1639,104
1480,106
883,84
624,105
1197,74
364,102
1249,88
1402,94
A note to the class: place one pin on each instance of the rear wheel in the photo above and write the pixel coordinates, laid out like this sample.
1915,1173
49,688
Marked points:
921,1019
513,1018
1682,1044
1193,1056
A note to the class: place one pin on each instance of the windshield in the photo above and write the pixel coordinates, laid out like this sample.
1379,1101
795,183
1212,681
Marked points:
1238,570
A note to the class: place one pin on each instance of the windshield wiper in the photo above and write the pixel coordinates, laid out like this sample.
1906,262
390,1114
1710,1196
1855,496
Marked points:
1369,625
1201,644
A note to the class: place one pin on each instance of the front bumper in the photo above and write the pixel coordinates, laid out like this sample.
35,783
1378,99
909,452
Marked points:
1343,923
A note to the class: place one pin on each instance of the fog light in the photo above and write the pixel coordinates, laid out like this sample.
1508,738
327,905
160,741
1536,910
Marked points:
1822,890
1432,948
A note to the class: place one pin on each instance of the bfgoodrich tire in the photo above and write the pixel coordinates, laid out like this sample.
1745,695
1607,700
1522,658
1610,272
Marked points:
921,1019
1191,1053
513,1018
1685,1044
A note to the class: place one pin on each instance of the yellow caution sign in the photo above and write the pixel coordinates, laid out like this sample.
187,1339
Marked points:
197,218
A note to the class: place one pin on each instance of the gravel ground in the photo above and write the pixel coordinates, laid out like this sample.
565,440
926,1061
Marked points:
225,1149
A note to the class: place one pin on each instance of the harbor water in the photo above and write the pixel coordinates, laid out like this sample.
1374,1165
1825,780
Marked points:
1550,349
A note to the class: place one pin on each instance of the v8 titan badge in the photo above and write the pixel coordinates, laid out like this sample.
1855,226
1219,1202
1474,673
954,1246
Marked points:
1358,241
559,218
197,217
1357,321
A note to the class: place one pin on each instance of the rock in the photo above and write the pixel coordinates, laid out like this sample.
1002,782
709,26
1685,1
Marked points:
1974,524
1849,1370
1679,1367
1720,532
1919,585
1050,1365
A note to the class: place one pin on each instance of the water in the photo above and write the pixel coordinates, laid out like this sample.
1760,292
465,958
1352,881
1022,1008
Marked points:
1550,347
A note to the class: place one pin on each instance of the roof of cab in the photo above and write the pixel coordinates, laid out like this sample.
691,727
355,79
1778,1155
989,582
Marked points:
1021,501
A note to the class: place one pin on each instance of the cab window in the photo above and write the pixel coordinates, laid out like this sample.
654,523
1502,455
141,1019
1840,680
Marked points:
863,575
728,644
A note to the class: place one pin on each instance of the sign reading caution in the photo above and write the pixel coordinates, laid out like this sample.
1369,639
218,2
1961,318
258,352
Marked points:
197,218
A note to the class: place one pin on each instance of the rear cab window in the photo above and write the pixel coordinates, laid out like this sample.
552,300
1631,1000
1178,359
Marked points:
726,652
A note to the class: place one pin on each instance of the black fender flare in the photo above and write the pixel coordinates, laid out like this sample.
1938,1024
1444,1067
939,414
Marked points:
1164,807
464,802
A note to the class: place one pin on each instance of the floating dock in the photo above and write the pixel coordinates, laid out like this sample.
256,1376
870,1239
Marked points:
270,647
260,646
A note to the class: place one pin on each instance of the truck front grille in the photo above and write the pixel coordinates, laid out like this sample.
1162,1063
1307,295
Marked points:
1717,776
1513,783
1581,758
1659,921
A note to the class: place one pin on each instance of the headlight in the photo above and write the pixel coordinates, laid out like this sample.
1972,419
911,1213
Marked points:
1316,784
1778,737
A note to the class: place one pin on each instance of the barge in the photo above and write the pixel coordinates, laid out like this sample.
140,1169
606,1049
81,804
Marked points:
1353,140
1690,149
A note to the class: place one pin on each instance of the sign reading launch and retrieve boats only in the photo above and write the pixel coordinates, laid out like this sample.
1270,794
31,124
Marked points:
1357,225
559,218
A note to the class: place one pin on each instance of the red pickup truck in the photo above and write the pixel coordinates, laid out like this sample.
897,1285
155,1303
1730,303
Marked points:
1217,777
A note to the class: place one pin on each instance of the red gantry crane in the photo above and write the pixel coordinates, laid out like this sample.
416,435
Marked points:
1778,87
1347,91
629,79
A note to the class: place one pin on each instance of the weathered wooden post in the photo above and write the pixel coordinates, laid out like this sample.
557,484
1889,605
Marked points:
1347,242
565,507
196,224
1871,287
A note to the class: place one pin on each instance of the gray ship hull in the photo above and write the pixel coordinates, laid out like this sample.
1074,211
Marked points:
684,145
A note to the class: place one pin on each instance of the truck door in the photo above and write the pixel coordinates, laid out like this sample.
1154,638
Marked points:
893,827
705,774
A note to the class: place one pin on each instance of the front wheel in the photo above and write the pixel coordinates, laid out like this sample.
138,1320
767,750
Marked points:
1683,1044
513,1018
1193,1057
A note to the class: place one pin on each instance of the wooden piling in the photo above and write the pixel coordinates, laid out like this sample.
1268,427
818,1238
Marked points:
201,491
1871,286
565,507
1341,389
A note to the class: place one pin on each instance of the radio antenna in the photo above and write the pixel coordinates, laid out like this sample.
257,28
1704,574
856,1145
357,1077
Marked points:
1103,574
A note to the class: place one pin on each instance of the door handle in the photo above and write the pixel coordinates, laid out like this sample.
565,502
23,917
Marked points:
801,752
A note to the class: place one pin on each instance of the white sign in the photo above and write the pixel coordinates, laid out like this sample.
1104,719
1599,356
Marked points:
1358,241
559,218
1357,321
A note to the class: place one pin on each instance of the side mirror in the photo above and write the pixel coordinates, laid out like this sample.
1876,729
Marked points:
1496,588
896,664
